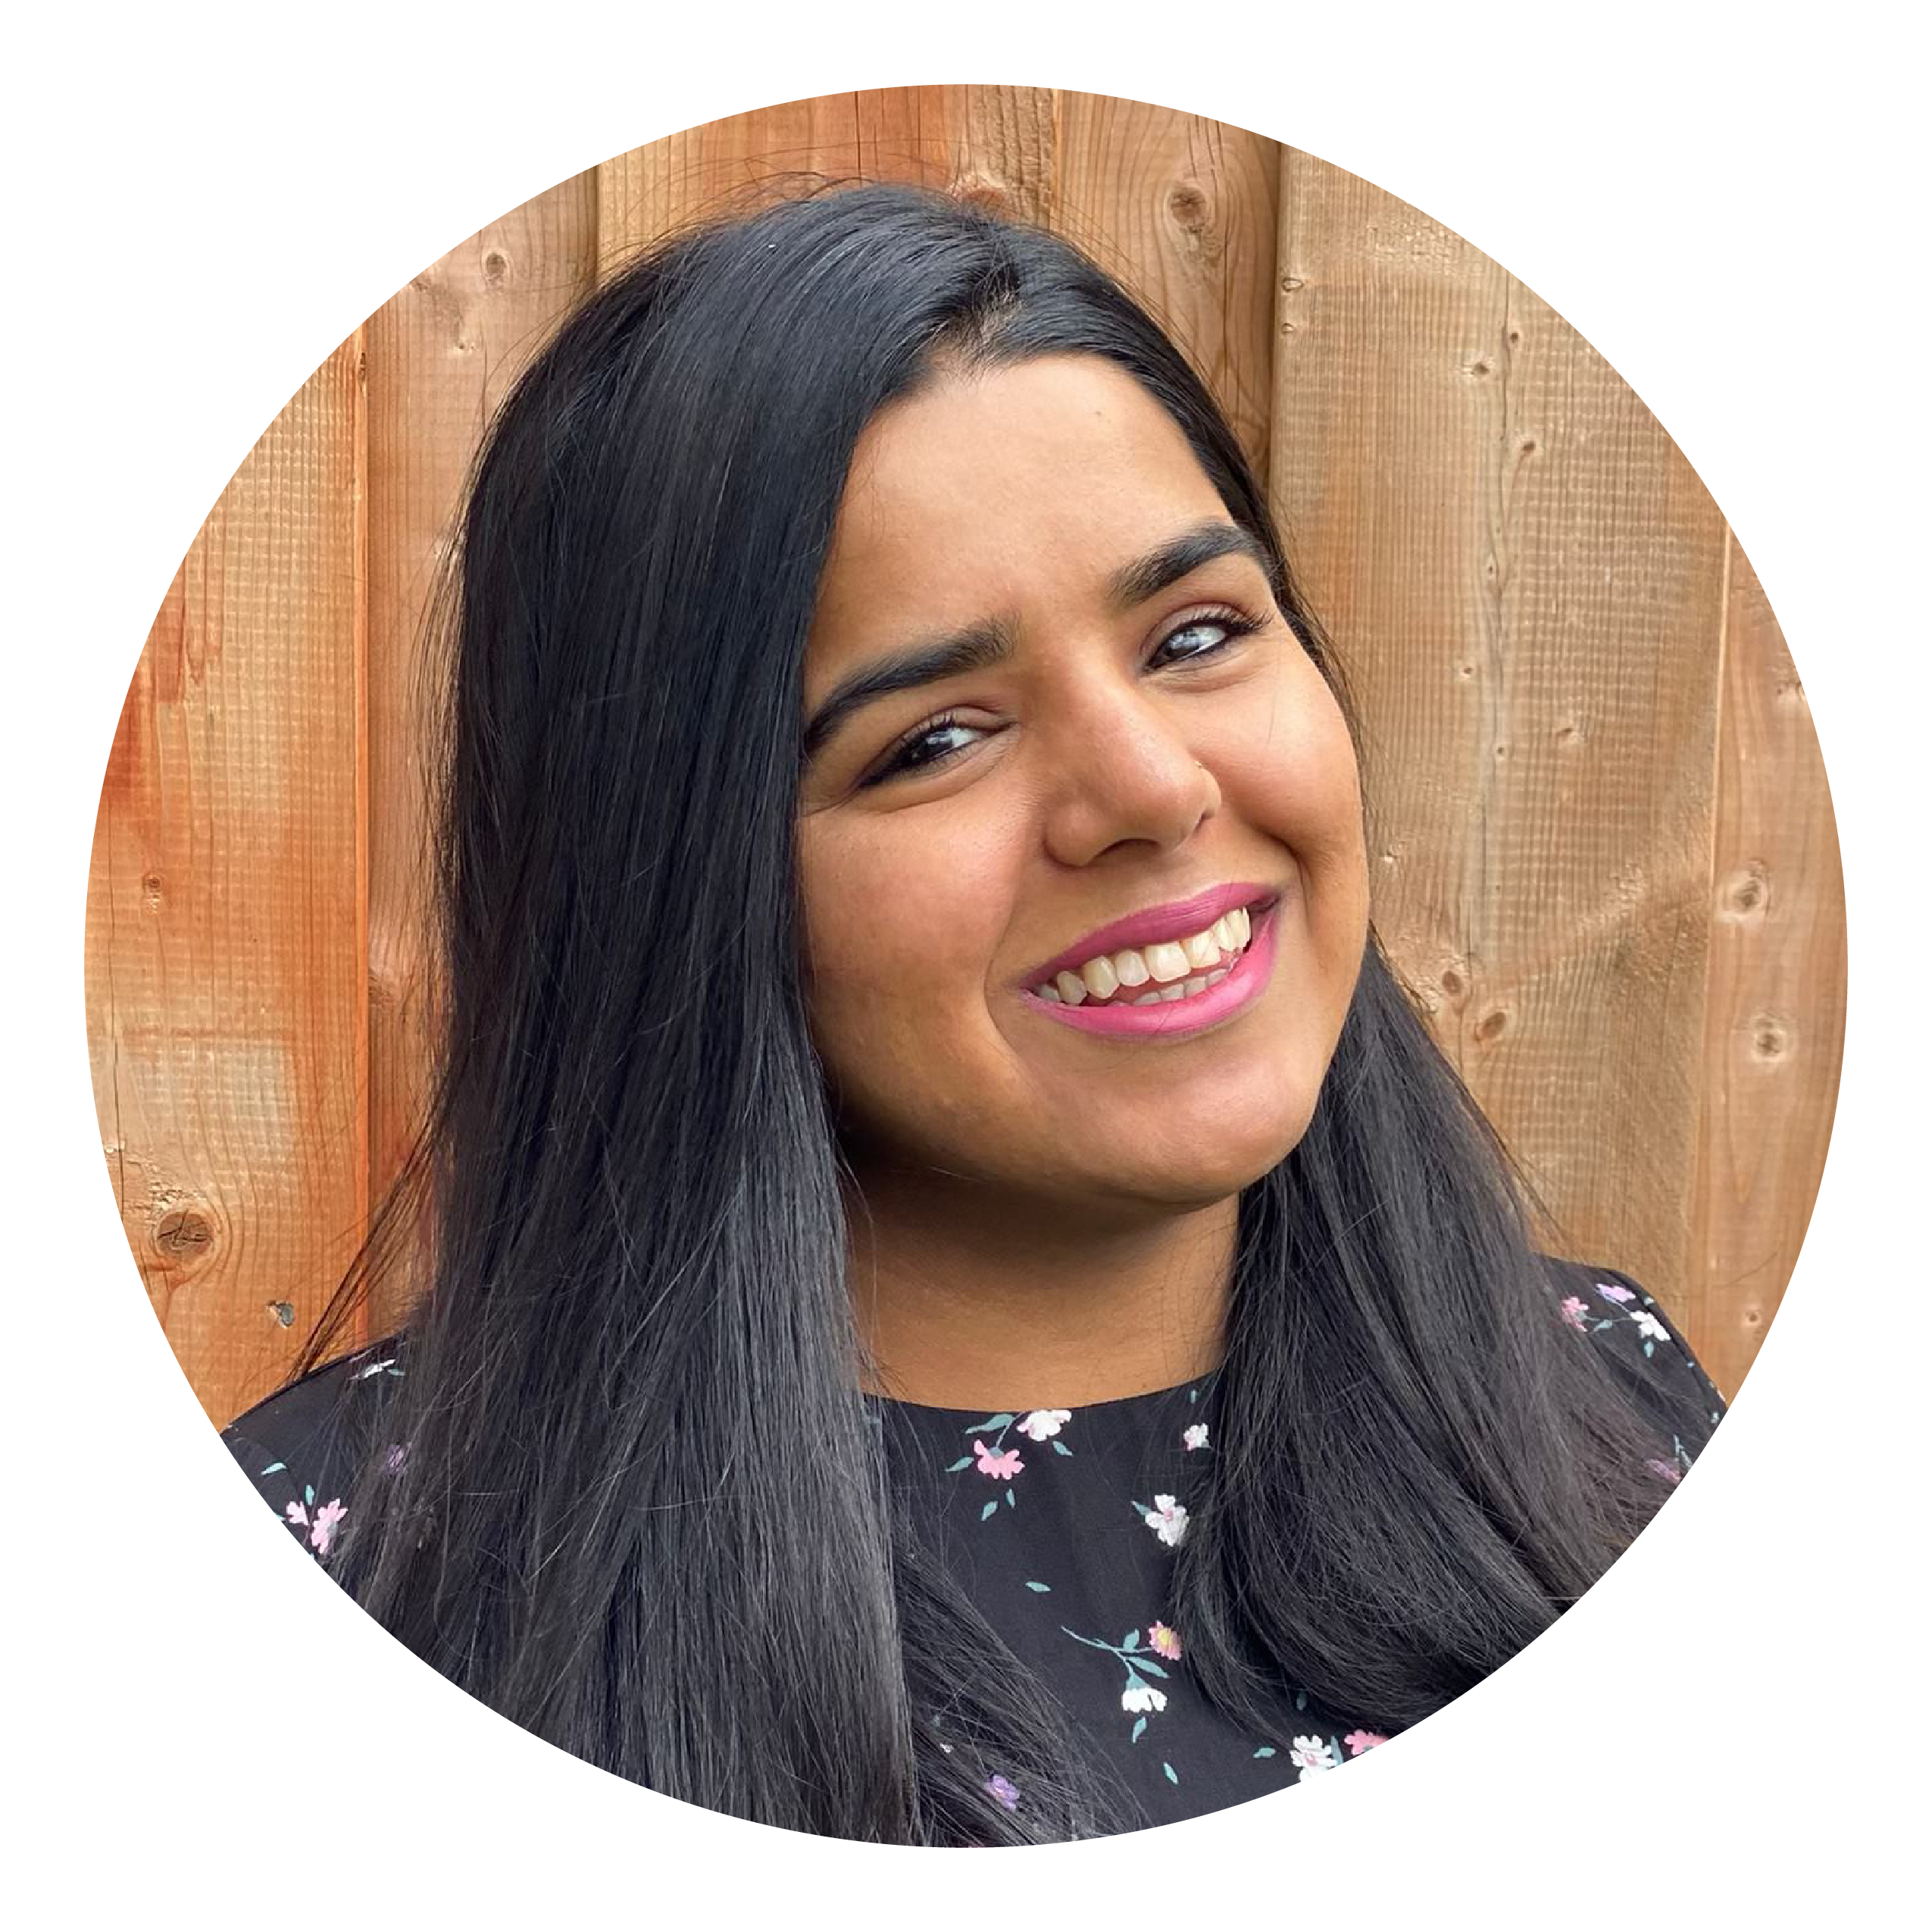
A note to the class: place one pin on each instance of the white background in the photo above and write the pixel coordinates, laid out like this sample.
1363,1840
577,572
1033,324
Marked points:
204,201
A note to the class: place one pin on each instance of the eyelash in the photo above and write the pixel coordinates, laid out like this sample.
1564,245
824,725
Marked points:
1236,623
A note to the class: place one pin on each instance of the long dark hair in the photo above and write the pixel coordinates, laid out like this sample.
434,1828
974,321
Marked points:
627,1182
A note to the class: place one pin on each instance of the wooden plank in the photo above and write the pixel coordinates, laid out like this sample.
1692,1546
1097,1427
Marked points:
987,144
225,942
1182,210
1525,581
1774,1009
442,354
696,172
992,146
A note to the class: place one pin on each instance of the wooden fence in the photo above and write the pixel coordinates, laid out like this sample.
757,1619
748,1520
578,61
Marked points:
1603,847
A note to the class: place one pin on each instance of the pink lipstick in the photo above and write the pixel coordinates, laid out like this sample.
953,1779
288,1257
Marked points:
1169,1019
1175,920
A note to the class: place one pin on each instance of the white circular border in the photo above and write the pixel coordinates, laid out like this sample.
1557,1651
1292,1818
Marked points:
207,201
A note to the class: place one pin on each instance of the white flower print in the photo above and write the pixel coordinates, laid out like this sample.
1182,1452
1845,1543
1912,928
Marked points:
1311,1753
1195,1435
1168,1519
1649,1327
1143,1697
1041,1423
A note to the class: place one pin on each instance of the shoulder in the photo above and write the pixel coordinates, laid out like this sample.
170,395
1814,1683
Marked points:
1638,1342
301,1447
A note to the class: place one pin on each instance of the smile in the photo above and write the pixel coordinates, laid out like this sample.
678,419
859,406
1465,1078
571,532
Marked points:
1171,970
1177,987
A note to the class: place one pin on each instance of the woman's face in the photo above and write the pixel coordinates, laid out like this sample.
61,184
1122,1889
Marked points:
1126,750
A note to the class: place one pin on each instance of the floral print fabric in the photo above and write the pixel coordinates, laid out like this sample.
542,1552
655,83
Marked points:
1062,1527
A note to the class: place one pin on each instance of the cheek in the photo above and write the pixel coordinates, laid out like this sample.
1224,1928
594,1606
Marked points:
1289,758
902,922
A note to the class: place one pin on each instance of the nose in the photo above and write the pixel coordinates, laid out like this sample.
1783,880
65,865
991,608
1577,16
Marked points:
1120,772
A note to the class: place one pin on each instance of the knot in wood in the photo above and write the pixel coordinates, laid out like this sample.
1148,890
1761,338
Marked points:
181,1233
1771,1037
1188,206
1745,894
980,191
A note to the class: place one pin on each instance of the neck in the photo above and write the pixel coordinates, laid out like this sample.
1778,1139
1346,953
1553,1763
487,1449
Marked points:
966,1297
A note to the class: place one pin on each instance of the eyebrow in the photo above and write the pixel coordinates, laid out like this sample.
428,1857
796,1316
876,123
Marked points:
989,641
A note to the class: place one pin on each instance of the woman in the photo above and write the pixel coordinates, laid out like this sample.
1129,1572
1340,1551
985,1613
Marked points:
930,1169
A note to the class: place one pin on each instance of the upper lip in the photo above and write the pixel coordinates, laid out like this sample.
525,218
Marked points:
1175,920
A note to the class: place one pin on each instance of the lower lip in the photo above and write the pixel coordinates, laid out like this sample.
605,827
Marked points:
1175,1019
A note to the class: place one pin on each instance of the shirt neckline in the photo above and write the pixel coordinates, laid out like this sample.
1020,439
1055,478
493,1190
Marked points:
1176,1393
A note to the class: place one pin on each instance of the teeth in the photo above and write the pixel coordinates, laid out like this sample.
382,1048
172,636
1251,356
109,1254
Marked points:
1100,977
1172,968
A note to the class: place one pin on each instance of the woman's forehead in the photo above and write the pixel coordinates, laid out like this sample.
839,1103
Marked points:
1040,479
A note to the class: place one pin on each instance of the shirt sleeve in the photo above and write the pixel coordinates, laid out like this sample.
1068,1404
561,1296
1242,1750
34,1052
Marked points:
300,1447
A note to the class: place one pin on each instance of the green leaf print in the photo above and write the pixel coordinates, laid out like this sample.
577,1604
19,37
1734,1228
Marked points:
1128,1641
989,1509
1266,1751
954,1468
1169,1769
1045,1589
273,1467
991,1422
1139,1725
1060,1448
1009,1503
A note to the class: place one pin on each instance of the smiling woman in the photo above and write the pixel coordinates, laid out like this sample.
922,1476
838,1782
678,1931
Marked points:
930,1166
1137,727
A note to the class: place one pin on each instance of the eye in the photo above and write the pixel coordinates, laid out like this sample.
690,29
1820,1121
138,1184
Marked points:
1236,623
902,758
906,757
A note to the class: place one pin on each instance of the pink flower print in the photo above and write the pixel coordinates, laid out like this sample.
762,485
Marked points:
1004,1466
398,1454
321,1526
326,1517
1195,1435
1005,1790
1041,1423
1359,1741
1615,1291
1574,1310
1168,1519
1311,1753
1164,1641
1669,1471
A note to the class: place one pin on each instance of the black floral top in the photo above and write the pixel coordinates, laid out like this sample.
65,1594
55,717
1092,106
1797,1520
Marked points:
1062,1525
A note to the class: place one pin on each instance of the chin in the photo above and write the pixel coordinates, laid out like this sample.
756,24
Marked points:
1199,1183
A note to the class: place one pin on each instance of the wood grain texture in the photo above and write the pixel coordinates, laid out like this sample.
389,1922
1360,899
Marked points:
1774,1006
1525,580
226,936
1183,211
993,146
1601,842
442,354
